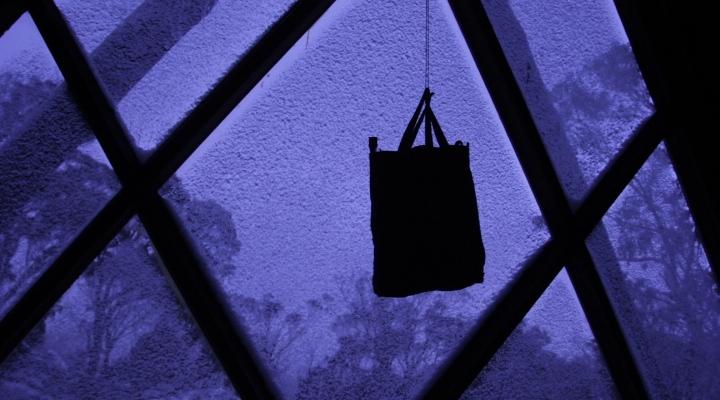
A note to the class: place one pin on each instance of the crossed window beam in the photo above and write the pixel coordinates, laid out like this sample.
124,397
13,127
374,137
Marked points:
141,181
669,89
568,230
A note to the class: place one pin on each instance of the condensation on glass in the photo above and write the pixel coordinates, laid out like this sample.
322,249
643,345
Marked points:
53,177
660,283
158,59
552,354
573,63
119,332
277,203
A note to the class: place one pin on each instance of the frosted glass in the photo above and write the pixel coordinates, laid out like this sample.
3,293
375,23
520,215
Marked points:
158,59
579,78
660,282
552,354
119,332
53,176
277,203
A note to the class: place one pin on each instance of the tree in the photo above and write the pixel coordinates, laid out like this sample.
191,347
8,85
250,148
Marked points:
119,332
652,260
387,347
49,221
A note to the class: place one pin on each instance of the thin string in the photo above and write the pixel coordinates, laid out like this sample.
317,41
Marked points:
427,43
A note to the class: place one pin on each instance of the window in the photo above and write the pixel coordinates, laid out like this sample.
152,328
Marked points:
184,208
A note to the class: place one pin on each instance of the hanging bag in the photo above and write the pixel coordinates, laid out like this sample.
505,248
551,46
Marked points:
424,216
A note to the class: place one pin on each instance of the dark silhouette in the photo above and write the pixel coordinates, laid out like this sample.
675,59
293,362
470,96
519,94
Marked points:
424,219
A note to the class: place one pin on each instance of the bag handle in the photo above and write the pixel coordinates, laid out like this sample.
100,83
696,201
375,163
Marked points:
431,124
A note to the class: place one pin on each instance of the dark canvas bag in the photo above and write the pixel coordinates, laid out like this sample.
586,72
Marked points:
424,216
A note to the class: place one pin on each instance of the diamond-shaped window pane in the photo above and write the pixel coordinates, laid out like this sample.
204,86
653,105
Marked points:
119,332
660,282
579,78
552,354
277,203
53,176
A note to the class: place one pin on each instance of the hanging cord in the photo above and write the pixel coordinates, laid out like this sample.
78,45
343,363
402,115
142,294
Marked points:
427,43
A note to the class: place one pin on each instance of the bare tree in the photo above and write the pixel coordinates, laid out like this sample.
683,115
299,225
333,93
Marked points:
272,329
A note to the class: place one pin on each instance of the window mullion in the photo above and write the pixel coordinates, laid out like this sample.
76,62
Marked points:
521,129
182,267
195,288
499,322
10,11
619,174
88,93
64,271
185,270
71,263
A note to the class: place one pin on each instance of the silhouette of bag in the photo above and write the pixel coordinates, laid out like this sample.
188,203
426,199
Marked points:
424,217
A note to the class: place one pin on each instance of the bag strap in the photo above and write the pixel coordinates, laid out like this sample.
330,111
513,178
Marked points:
442,141
431,124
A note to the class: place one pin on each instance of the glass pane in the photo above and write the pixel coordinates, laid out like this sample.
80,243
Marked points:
552,354
53,177
579,78
277,202
660,282
119,332
164,57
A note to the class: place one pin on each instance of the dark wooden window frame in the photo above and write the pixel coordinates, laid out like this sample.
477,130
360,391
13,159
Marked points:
670,47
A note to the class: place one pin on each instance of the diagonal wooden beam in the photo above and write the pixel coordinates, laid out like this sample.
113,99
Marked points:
185,270
619,173
87,91
71,263
165,233
180,262
528,285
520,127
64,271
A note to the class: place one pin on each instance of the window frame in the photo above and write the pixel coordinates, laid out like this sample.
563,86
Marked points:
682,119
